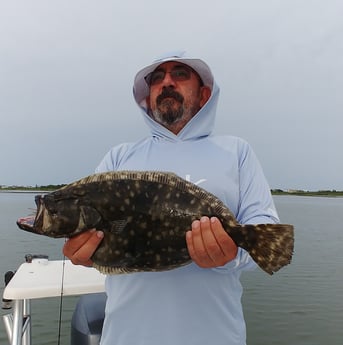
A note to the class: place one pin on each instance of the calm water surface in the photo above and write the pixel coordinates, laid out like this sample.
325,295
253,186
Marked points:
300,305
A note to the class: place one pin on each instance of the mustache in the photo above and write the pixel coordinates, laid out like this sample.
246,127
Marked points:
169,93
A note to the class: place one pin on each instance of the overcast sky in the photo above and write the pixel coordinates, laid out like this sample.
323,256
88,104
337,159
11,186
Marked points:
67,67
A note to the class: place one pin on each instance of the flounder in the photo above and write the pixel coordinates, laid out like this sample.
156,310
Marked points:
145,216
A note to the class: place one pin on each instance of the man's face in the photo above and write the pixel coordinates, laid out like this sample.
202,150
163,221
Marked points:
176,95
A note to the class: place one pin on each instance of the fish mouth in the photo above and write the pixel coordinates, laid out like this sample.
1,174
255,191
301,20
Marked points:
33,223
26,223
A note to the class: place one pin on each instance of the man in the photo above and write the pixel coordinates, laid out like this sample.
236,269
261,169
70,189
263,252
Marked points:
199,303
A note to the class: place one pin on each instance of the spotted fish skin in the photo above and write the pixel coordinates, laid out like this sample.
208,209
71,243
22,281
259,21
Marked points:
145,216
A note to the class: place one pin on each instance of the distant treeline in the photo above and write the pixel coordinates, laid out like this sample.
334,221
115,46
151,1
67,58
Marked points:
328,193
52,187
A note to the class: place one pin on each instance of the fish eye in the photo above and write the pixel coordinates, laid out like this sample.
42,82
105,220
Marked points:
77,192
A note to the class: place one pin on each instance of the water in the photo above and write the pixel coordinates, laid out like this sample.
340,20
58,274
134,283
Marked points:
14,245
303,303
300,305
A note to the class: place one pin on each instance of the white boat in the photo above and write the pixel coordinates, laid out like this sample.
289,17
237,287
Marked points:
39,277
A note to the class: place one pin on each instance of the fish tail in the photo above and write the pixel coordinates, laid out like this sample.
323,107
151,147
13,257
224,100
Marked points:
270,245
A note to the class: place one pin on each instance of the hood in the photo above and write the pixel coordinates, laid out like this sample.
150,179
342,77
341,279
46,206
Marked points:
203,122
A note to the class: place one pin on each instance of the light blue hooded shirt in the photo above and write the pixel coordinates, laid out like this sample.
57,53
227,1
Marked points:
188,305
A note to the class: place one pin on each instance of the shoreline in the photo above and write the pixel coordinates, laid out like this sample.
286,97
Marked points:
327,194
321,193
16,191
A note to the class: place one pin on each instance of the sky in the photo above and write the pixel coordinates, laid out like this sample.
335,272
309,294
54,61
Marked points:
67,69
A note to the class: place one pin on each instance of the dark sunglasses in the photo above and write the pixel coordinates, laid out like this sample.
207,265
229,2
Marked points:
177,74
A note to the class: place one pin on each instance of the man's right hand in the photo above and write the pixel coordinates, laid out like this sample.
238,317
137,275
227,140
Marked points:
79,249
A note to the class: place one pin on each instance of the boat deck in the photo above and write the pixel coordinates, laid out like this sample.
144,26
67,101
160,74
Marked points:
42,279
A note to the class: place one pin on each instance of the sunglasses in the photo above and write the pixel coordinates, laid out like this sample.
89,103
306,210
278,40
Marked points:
156,77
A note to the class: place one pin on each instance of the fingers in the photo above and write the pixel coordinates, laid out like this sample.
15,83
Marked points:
208,243
80,248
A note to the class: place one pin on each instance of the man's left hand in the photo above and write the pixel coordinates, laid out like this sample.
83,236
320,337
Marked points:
208,243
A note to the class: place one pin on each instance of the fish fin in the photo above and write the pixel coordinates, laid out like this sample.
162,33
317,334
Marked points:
114,270
118,226
270,245
89,217
123,265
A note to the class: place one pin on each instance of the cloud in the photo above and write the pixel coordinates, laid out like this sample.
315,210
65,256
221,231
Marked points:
67,70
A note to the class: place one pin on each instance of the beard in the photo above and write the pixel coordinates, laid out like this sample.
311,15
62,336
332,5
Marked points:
169,112
170,108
